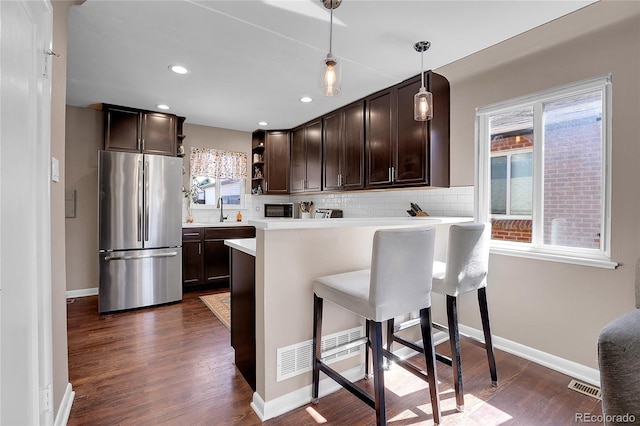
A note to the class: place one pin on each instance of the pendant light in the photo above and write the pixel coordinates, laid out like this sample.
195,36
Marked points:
423,100
330,84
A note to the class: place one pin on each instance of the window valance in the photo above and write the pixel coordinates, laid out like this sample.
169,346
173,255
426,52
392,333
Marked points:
218,164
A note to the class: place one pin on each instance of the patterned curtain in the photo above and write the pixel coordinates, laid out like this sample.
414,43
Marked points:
218,164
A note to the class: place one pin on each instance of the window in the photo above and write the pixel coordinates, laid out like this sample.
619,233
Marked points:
218,174
544,173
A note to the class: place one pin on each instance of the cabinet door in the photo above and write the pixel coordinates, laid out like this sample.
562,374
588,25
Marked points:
439,131
191,262
216,261
379,139
352,169
333,150
411,141
313,138
159,133
277,162
298,160
121,129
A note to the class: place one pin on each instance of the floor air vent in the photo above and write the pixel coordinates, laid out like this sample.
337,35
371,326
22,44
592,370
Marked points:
586,389
296,359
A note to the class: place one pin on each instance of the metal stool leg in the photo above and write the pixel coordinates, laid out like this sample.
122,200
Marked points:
486,328
367,348
430,359
317,346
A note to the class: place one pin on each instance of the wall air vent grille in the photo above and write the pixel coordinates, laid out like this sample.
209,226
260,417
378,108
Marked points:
296,359
585,389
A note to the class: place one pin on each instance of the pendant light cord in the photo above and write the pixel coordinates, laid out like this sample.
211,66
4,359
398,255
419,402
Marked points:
421,66
331,30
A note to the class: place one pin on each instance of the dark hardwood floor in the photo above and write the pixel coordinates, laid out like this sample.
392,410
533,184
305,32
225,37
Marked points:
173,365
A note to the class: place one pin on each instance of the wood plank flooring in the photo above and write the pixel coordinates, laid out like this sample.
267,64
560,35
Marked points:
173,365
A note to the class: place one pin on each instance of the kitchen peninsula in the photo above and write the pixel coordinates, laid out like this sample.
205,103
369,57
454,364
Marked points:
289,254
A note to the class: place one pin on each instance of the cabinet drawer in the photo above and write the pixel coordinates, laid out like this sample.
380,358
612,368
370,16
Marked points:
191,234
229,233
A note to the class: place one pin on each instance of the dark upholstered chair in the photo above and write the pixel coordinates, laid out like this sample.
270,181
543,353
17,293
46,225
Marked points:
619,361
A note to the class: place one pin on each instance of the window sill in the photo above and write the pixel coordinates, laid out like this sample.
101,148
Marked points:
595,262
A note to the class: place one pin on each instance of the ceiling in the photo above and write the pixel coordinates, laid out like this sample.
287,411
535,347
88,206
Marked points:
252,60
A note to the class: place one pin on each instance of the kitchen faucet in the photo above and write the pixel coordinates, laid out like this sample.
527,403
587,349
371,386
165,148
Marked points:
220,206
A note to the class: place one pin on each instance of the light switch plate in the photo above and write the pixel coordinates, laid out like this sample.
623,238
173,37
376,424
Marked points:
55,169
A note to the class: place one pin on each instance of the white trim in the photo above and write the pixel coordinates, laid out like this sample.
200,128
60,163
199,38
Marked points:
62,416
530,253
299,397
71,294
556,363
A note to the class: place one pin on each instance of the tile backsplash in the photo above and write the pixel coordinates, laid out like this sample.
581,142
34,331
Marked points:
457,201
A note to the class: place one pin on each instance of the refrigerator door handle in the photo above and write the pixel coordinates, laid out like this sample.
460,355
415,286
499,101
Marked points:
146,200
142,256
140,200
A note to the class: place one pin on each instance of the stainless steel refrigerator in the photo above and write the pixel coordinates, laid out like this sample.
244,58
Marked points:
140,234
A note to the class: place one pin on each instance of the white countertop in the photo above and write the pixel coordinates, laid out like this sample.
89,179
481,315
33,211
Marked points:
276,224
214,224
245,245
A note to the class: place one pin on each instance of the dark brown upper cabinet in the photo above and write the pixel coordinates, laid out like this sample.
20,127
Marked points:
134,130
401,151
344,148
276,160
306,157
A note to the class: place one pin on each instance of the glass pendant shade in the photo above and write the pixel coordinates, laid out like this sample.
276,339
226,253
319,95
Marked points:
423,105
330,84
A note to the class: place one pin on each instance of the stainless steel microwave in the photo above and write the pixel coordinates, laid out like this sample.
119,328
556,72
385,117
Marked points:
278,210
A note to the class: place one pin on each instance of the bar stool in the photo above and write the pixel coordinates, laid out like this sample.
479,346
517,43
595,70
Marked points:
465,271
398,282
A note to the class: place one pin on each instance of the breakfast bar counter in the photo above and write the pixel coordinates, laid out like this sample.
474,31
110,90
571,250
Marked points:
289,254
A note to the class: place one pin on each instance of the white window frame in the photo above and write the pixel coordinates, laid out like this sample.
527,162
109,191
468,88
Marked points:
537,249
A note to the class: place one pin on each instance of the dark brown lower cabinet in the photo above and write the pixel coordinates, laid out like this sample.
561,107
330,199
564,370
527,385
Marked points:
205,258
243,314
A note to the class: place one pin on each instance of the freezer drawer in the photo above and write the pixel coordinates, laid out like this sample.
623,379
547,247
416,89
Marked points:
137,278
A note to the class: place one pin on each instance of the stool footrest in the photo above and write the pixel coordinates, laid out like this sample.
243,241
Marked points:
416,347
406,365
344,347
350,386
407,324
468,338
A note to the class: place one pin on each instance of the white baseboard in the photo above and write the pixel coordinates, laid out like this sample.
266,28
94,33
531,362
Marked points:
62,417
82,292
300,397
570,368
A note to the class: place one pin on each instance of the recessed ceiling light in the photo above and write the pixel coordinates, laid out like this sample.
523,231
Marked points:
263,123
163,106
178,69
305,99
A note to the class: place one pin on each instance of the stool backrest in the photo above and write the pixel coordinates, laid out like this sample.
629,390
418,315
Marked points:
467,257
401,270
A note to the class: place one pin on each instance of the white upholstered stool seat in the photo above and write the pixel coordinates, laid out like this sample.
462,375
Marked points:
398,282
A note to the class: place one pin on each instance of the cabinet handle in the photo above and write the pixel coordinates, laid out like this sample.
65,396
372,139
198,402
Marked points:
191,234
142,144
389,177
304,186
266,186
199,248
393,174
